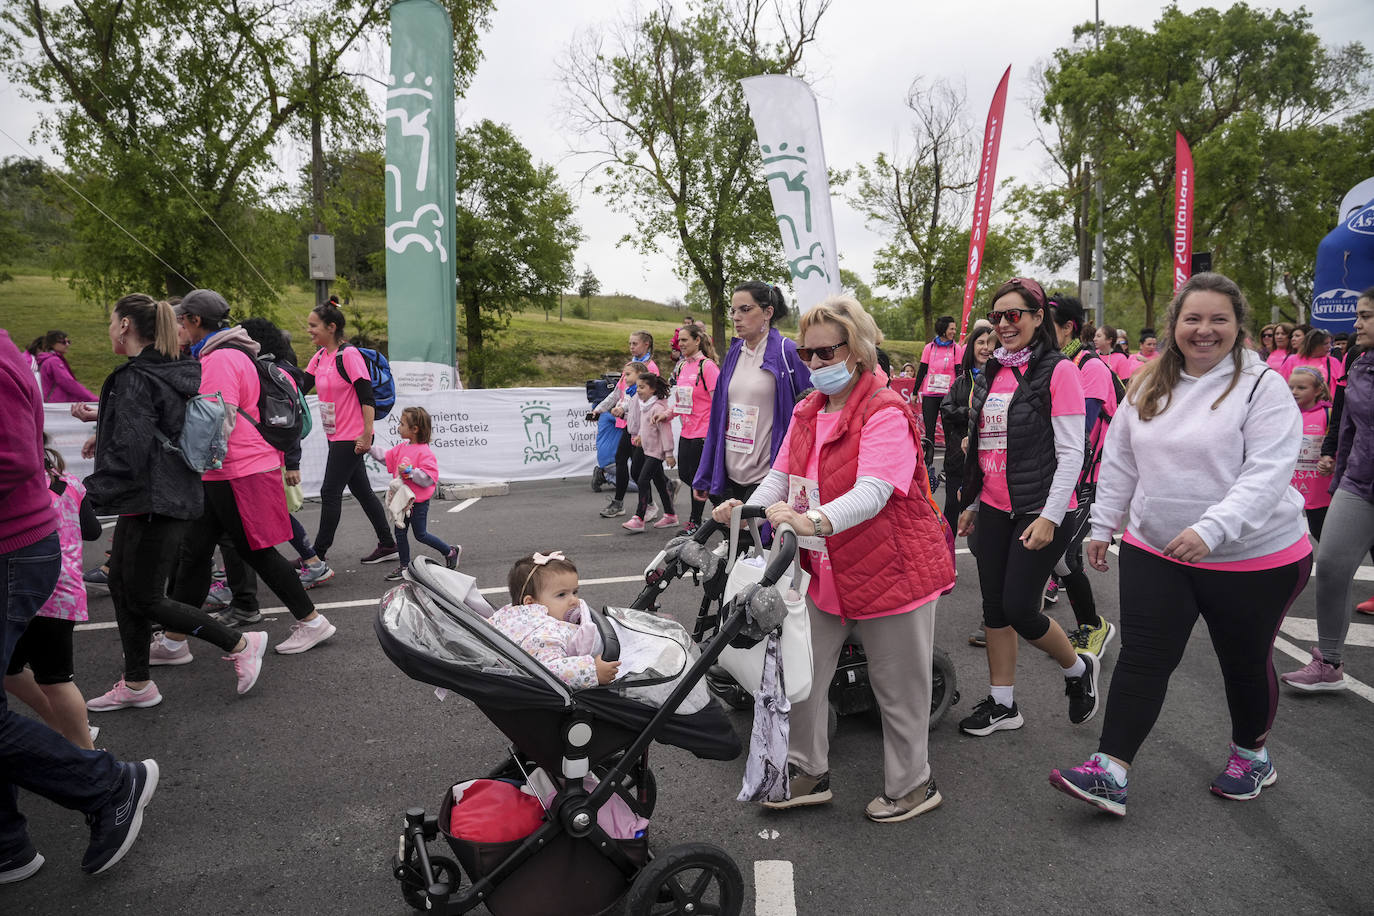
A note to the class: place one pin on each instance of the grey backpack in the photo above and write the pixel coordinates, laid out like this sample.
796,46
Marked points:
204,438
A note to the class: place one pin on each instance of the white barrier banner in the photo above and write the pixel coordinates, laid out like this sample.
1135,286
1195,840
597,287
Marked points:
486,434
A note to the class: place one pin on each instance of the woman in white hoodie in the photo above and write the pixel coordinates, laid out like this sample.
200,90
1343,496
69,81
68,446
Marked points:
1229,546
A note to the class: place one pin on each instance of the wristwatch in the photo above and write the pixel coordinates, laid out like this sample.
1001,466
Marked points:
816,519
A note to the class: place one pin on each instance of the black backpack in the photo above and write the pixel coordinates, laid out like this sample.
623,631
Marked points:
284,416
1117,384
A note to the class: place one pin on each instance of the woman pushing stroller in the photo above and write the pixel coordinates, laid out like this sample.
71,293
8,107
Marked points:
879,560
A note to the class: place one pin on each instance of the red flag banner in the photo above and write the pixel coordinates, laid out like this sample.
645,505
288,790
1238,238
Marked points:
1184,181
982,202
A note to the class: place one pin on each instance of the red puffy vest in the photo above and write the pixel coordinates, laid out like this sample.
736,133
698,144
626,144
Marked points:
900,555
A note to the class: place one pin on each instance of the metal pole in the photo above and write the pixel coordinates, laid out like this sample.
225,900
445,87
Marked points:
317,170
1099,271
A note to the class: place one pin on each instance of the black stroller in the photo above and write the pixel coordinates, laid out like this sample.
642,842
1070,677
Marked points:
850,692
433,628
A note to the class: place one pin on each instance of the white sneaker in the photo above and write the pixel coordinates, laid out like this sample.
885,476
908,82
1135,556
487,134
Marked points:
305,636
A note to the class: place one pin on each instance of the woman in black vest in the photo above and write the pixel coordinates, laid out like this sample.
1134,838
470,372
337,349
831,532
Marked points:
1025,452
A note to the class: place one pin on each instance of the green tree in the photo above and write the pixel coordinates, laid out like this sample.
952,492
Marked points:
1253,91
168,115
587,286
514,238
661,107
921,198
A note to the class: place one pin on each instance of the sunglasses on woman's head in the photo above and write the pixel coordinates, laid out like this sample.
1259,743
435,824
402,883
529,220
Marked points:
1012,315
823,352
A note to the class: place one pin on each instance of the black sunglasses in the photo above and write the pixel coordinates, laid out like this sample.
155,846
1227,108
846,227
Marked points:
823,352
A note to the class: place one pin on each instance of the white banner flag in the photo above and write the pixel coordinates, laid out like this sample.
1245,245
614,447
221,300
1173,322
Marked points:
481,434
788,124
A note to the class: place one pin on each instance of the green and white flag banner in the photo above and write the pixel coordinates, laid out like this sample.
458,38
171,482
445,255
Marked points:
788,124
421,285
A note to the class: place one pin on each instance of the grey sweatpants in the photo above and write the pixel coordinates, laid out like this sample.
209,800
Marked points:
1347,536
900,651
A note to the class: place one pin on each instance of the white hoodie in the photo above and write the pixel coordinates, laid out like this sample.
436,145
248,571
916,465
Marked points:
1223,471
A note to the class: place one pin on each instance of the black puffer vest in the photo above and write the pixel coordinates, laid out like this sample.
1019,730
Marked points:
1031,462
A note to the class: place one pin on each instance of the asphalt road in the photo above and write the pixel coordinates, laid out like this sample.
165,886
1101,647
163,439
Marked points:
289,800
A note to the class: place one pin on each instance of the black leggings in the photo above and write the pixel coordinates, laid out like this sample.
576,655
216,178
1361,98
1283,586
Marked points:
952,484
1011,577
628,462
222,518
688,461
1160,602
1075,581
141,554
344,467
651,474
930,415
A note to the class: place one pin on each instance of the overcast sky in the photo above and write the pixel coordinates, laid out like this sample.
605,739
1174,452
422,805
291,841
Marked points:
866,54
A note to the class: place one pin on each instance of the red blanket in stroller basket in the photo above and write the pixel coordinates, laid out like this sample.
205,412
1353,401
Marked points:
493,811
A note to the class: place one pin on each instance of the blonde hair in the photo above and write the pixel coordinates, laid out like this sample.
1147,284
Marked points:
860,330
153,321
1323,392
1152,386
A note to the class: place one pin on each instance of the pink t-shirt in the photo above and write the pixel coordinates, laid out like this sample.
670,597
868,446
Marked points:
1097,383
1117,362
1066,399
887,452
414,455
1131,363
1301,548
692,395
1276,359
1306,479
232,373
1328,367
341,413
942,363
68,598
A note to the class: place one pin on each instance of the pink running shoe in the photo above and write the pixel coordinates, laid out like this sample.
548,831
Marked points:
248,660
122,697
635,525
305,636
164,651
668,521
1315,675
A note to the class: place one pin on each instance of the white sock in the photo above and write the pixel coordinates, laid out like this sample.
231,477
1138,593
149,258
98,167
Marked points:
319,621
1077,668
173,644
1116,770
1262,755
1003,695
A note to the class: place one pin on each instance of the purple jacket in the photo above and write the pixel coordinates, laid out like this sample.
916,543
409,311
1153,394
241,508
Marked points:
26,512
1355,453
780,358
59,385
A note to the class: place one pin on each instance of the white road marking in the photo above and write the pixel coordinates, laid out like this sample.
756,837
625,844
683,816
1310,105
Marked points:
1358,688
372,602
465,503
774,894
1305,628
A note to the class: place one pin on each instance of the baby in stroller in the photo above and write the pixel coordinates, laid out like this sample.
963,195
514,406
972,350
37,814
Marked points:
548,620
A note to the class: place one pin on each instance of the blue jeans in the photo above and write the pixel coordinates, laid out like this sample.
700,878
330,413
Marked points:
419,520
33,756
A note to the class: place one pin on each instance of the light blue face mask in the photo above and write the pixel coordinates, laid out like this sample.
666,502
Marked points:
832,379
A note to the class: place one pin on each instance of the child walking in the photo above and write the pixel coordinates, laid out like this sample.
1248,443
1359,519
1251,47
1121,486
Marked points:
40,670
412,461
547,619
1312,476
655,437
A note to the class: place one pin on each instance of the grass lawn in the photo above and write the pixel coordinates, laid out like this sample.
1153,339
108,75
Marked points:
540,350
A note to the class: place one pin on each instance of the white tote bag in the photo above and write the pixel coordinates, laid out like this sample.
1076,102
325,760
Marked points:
746,665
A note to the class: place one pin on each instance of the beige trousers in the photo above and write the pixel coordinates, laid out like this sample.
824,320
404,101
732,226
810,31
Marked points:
900,650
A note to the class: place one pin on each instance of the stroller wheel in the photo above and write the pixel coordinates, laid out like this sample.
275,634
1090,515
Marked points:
944,686
445,872
691,878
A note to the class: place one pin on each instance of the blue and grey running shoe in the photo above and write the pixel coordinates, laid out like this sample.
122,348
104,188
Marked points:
1090,782
1244,777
